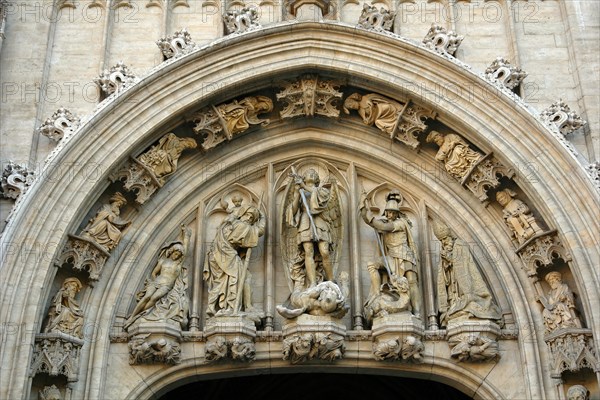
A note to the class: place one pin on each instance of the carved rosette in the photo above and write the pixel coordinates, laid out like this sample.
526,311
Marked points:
177,44
16,179
473,340
84,255
138,178
374,19
484,175
540,251
154,343
57,126
560,115
230,337
572,350
311,337
441,40
310,96
115,79
217,124
397,337
239,21
56,354
508,75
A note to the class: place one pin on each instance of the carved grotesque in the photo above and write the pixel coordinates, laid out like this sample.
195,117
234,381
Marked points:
509,75
372,18
517,216
461,293
116,78
164,297
61,122
455,153
243,20
162,158
578,392
177,44
226,269
106,228
148,350
474,348
562,117
441,40
15,181
216,349
398,260
243,349
65,315
559,305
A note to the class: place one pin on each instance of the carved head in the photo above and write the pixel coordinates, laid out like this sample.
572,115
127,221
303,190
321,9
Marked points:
352,102
329,299
311,176
118,199
72,286
553,278
435,137
505,196
440,230
237,200
577,392
250,215
175,251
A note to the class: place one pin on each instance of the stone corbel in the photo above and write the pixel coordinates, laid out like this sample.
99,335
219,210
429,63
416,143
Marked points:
505,73
59,124
56,354
484,175
84,255
377,20
176,45
541,250
239,21
230,337
16,180
138,178
560,115
410,123
313,337
309,96
473,340
117,77
442,41
398,337
154,342
572,350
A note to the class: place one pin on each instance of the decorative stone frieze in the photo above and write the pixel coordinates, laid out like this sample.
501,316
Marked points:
403,121
485,175
311,337
116,78
572,350
177,44
154,342
240,21
59,124
56,354
473,341
398,337
541,250
376,19
309,96
16,179
508,75
84,255
560,115
230,337
441,40
217,124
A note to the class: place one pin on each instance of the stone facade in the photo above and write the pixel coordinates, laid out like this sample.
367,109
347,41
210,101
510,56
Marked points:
289,305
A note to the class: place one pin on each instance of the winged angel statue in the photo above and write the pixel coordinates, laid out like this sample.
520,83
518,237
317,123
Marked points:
311,244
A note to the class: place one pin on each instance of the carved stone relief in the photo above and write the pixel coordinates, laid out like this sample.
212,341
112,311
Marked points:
239,21
458,158
59,124
65,315
16,179
230,337
376,19
578,392
115,79
409,349
217,124
565,120
441,40
402,121
473,340
572,350
56,354
309,96
146,350
176,45
298,348
541,251
559,305
517,216
508,75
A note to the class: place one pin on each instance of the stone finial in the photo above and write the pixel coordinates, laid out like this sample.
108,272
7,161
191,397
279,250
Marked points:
441,40
377,20
61,122
509,75
309,96
15,181
116,78
238,21
562,117
177,44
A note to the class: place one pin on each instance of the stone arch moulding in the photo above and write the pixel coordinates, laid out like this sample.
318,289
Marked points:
126,124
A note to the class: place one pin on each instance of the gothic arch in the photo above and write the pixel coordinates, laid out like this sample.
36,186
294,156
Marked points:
489,117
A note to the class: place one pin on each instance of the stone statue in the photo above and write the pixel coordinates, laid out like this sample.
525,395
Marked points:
392,298
50,393
475,348
578,392
517,216
454,152
106,228
239,115
65,315
398,256
162,158
461,293
559,305
226,267
375,110
164,297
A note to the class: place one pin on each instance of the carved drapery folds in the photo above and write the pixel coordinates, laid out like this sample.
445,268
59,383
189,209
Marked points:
16,179
560,115
442,41
309,96
517,216
559,305
508,75
59,124
402,121
176,45
217,124
65,315
239,21
147,173
572,350
115,79
56,354
376,19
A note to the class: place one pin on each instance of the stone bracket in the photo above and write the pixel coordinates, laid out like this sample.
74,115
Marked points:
483,176
572,349
541,250
156,342
85,255
230,337
56,354
138,178
311,337
398,337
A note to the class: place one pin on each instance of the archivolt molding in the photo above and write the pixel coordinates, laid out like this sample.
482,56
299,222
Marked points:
126,123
